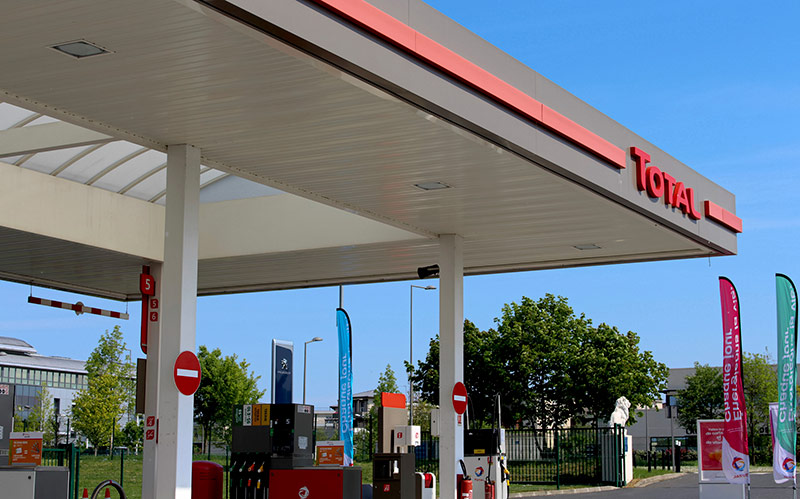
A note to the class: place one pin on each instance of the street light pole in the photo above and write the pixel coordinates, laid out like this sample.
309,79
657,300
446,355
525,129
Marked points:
411,348
305,363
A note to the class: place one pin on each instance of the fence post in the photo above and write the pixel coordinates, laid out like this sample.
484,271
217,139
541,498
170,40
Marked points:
71,469
621,455
370,437
558,459
77,474
122,468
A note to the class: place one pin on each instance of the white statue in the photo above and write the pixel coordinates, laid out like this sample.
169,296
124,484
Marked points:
620,414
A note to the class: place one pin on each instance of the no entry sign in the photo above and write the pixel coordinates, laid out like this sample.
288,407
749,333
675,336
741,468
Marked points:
187,373
460,398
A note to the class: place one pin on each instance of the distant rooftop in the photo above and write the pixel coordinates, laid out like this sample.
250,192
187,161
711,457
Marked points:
18,353
15,345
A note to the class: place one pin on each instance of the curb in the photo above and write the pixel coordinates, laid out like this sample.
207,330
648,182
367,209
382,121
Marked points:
644,482
539,493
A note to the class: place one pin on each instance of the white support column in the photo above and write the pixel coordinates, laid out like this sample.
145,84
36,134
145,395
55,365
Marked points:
451,359
178,318
152,382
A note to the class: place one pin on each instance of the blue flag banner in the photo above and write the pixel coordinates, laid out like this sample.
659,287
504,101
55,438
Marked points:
345,384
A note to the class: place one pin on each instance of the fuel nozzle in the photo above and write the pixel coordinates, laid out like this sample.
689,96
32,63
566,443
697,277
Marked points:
463,469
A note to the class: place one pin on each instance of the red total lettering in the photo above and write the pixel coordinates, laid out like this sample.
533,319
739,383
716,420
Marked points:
658,183
693,213
655,182
669,187
641,158
679,199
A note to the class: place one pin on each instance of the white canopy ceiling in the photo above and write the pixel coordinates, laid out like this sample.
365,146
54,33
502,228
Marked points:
312,166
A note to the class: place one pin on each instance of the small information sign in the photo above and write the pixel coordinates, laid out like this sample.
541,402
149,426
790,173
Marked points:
25,448
330,453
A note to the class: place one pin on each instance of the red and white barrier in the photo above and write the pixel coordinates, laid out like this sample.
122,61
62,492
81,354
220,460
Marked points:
78,308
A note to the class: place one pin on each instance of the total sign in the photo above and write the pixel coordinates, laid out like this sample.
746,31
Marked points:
660,184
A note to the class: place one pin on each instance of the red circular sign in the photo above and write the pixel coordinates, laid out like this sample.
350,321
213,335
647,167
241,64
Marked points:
187,373
460,398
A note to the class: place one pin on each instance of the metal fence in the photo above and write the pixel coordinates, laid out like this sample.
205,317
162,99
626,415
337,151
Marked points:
565,456
557,457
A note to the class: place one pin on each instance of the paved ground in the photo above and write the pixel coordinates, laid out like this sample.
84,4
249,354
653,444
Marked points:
686,487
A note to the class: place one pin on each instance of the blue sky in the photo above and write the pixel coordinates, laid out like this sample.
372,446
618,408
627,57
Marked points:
716,84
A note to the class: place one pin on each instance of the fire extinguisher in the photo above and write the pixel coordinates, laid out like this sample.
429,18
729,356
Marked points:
488,490
465,484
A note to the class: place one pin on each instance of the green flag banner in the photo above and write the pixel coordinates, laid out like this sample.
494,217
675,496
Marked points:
783,457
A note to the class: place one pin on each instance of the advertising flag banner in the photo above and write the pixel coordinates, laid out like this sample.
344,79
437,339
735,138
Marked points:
783,465
785,430
735,456
345,384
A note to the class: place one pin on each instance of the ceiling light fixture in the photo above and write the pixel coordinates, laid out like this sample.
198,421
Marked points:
431,186
590,246
80,49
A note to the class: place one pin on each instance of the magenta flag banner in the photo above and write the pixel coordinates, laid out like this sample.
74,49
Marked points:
735,455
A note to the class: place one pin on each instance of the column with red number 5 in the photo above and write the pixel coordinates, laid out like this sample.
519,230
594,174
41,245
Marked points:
147,286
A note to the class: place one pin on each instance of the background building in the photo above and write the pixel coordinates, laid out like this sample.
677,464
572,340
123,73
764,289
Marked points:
26,372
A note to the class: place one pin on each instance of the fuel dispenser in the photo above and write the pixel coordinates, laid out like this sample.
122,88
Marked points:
267,437
393,466
273,456
485,460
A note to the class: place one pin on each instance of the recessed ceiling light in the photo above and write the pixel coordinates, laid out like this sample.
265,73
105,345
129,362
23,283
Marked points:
80,49
587,247
431,186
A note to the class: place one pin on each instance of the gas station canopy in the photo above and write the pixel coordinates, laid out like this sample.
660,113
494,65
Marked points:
307,143
338,142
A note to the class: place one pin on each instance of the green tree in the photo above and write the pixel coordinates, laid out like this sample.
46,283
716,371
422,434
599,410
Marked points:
541,343
387,382
702,397
422,414
98,407
760,383
41,413
608,365
549,366
133,435
481,363
225,383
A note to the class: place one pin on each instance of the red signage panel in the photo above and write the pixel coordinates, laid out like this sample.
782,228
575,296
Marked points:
711,444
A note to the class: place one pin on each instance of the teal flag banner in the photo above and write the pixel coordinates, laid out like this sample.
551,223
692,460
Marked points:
783,457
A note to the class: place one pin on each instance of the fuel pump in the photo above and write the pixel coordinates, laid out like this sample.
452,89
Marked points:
485,459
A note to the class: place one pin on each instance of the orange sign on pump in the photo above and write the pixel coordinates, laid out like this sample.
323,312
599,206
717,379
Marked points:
25,448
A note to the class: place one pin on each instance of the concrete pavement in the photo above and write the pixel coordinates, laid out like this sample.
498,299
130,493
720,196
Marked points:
686,487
